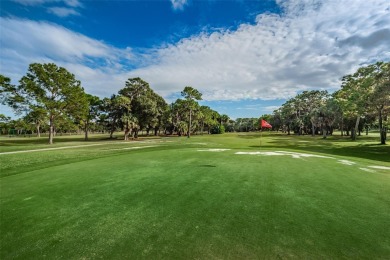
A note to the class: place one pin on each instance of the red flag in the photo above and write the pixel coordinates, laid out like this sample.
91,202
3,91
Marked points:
265,124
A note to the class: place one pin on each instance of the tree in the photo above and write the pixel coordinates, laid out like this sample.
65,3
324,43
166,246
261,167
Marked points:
354,95
379,99
4,123
366,90
50,87
147,107
191,95
117,109
178,115
6,88
288,114
224,120
38,117
162,109
94,105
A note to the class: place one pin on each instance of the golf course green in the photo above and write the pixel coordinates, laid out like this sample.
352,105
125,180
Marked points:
204,197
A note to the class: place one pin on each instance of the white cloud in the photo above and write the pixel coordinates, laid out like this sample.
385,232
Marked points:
32,39
311,45
62,11
72,3
179,4
30,2
98,65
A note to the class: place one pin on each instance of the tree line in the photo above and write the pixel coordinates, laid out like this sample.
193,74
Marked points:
51,98
362,102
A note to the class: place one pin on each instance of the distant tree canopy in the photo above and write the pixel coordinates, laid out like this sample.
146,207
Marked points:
52,100
46,91
362,101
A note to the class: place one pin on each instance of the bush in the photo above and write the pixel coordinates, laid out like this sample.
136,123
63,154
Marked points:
218,129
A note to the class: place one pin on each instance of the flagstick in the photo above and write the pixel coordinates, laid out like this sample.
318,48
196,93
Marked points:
261,135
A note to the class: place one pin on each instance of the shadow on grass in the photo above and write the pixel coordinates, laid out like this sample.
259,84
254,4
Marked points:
208,166
374,152
249,136
45,140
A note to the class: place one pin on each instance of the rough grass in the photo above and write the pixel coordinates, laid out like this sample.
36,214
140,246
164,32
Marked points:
173,201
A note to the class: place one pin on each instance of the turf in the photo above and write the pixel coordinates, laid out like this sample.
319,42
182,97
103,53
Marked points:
170,200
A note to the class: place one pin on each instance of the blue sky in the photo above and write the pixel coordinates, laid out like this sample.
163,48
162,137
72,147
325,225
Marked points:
246,57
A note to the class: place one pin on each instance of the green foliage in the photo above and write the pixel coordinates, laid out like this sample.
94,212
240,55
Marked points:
364,95
190,104
218,129
172,201
364,92
146,105
246,124
50,88
189,93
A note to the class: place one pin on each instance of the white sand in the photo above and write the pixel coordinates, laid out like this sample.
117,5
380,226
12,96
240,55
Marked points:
214,150
380,167
367,170
49,149
346,162
259,153
278,153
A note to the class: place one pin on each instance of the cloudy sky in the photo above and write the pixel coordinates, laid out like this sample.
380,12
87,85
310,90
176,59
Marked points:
246,57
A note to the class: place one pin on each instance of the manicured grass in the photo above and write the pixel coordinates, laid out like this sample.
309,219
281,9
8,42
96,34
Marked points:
170,200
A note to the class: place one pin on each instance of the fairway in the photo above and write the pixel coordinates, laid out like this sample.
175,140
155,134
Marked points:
204,197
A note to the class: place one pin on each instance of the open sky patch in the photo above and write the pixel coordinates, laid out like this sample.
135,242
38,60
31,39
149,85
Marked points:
229,50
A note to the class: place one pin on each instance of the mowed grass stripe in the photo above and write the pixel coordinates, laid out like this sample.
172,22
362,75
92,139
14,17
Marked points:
182,203
51,149
11,164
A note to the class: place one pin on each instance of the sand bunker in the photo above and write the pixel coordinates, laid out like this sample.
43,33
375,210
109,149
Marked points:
260,153
49,149
213,150
380,167
278,153
346,162
367,170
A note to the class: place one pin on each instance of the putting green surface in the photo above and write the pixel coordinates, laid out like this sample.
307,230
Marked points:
203,197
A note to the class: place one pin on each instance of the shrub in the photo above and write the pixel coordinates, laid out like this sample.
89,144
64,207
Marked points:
218,129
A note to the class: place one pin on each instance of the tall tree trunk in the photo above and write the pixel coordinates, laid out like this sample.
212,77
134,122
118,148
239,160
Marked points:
355,129
382,130
38,130
324,131
51,129
342,126
312,129
86,131
112,127
127,131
